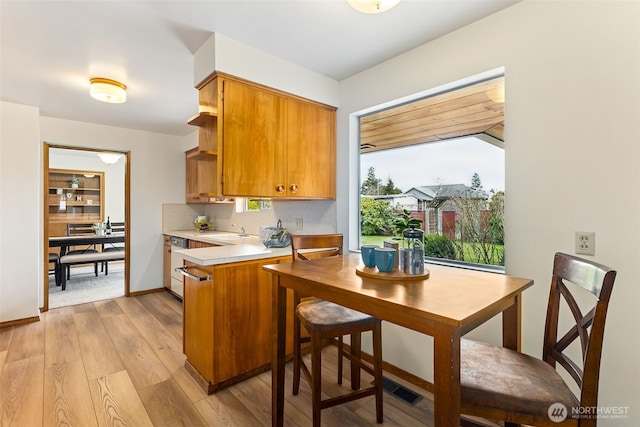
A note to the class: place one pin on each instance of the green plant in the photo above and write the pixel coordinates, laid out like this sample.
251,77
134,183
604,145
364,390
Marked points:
74,180
438,246
376,217
404,220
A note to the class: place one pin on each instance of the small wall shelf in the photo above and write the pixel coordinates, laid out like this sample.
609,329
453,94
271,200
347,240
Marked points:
202,118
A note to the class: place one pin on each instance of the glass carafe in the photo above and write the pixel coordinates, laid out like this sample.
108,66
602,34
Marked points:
412,253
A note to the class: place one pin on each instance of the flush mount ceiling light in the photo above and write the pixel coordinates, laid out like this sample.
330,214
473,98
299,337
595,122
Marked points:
107,90
109,158
372,6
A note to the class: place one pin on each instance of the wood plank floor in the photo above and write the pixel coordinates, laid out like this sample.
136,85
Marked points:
120,362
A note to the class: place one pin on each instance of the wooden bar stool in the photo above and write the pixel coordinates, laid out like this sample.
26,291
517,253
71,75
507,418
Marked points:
325,320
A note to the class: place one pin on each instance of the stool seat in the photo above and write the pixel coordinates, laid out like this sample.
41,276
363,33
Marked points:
321,315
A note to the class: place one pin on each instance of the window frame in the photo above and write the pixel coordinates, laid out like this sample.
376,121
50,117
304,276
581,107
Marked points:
355,160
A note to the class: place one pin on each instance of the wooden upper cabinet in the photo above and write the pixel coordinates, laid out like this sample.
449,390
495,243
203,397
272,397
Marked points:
310,150
275,144
253,132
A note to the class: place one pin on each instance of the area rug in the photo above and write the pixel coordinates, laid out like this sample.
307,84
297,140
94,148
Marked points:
85,287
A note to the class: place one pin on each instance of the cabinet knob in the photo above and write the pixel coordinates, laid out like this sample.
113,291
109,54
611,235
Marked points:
280,188
293,188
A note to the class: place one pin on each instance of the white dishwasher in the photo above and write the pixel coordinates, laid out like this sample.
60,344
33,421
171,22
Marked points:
177,280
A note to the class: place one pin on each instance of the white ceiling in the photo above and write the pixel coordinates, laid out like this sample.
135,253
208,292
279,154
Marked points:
50,49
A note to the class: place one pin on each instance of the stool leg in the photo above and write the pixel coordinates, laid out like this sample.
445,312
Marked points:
296,355
377,368
340,356
356,354
316,377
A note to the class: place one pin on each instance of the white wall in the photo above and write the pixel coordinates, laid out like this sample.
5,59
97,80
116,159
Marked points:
572,157
157,176
20,194
225,55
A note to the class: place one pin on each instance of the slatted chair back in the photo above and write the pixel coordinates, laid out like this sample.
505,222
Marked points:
589,328
117,227
305,247
79,229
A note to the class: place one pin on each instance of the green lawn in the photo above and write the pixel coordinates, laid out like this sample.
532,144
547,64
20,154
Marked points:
468,249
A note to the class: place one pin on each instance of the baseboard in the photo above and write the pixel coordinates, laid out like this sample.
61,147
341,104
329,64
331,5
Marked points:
148,291
398,372
18,322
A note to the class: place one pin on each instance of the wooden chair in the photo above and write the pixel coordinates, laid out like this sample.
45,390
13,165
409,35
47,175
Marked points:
325,320
80,229
116,227
505,385
54,259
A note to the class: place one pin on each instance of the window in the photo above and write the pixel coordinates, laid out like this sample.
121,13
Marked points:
439,160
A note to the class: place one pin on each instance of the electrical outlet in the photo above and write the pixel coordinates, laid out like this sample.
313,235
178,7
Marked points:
298,223
585,242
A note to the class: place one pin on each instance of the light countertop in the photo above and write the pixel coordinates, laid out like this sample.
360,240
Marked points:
232,247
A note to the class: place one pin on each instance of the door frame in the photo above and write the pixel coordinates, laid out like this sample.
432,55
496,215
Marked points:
127,214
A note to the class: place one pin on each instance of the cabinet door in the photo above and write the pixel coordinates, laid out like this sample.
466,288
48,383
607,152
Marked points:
198,309
253,135
311,150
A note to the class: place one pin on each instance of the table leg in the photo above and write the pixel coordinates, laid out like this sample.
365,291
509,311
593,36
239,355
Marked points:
511,324
446,377
278,331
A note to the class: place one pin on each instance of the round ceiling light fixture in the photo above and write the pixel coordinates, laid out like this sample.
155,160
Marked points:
109,158
107,90
372,6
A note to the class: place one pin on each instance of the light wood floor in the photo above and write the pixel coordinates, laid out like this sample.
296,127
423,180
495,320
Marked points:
120,362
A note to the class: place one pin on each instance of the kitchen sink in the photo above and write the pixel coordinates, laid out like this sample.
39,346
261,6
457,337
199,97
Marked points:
230,236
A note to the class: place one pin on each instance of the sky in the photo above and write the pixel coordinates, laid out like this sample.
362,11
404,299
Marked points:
445,162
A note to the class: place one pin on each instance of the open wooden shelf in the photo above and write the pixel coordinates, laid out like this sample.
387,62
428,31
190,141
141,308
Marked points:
202,118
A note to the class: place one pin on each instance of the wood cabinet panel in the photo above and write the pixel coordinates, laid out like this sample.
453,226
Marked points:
310,150
253,131
276,144
198,309
243,324
227,322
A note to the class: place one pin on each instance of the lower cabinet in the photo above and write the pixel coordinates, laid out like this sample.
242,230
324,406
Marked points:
227,322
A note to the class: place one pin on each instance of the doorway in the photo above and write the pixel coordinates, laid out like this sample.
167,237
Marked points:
101,190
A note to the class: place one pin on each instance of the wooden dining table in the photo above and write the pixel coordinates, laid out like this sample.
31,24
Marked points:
446,305
65,242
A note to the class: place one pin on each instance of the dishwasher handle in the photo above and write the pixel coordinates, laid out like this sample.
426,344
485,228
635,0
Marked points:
184,271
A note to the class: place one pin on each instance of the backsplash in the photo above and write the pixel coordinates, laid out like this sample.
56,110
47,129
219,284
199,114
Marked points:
179,216
318,216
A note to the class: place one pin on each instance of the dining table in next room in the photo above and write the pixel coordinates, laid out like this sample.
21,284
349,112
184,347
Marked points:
447,304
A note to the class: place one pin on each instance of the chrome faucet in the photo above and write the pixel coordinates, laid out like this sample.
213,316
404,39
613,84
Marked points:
242,230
